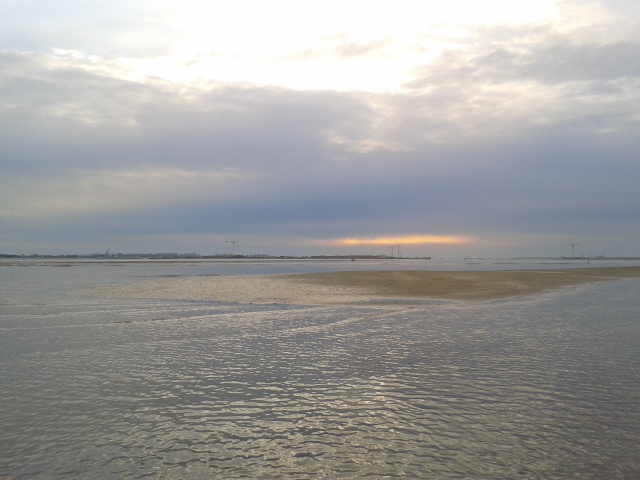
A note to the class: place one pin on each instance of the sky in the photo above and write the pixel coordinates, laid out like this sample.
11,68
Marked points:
309,127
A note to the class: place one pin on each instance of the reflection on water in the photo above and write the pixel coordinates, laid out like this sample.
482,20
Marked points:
538,388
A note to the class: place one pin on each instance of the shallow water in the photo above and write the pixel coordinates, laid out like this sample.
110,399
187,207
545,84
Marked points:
541,387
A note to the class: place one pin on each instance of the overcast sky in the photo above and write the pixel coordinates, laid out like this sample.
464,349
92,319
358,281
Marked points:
458,128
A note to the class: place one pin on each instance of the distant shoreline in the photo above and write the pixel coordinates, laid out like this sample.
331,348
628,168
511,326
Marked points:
367,287
197,256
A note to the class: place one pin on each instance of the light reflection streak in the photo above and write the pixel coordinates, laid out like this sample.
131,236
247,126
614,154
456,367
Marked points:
249,391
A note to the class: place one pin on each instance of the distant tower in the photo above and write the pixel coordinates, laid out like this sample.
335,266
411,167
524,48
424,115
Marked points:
233,246
573,247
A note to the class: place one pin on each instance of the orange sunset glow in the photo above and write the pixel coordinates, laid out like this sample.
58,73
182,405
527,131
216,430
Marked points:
406,240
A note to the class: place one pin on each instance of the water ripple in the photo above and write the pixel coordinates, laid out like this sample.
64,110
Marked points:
196,390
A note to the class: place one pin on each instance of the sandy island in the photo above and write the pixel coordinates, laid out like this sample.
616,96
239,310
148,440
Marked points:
367,287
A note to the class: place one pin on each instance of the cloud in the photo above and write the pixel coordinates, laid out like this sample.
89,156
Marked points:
85,192
554,60
108,29
504,138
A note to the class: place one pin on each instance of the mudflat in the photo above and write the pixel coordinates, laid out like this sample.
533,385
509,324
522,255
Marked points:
368,287
468,285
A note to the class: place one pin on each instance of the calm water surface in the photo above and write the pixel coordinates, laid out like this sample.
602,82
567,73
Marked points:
540,387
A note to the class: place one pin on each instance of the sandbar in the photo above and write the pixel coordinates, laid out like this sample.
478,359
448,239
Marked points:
382,287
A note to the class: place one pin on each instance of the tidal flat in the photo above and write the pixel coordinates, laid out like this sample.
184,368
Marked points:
540,385
368,287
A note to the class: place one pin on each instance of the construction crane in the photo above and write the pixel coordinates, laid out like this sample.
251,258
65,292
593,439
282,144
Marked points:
573,247
233,246
392,247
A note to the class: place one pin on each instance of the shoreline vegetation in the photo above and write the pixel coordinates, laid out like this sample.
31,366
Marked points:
368,287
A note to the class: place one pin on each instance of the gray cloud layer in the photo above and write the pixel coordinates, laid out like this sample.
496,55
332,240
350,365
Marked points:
524,142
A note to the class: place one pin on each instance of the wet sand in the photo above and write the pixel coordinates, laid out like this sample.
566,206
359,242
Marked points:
367,287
